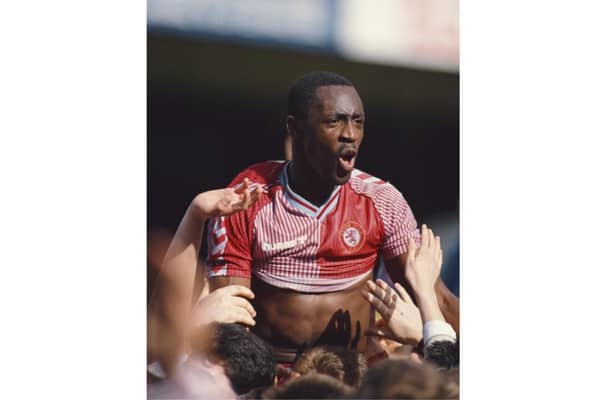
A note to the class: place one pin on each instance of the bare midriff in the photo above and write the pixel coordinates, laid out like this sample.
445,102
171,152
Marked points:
293,321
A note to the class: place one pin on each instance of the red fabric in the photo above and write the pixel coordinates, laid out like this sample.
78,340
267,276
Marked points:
288,242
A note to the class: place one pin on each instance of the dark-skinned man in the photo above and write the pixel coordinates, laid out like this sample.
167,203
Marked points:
308,245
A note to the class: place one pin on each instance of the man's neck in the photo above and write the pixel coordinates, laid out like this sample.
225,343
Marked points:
307,184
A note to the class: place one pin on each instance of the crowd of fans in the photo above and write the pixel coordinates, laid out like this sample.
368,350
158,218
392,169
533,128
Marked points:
201,341
411,353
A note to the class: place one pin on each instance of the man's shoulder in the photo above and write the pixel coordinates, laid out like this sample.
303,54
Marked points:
366,184
263,173
382,193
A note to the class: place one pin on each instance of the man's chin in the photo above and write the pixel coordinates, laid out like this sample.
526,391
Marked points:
341,179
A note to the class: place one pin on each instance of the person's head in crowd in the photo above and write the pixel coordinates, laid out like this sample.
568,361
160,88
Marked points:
338,362
452,375
247,359
442,353
196,378
406,352
326,123
256,393
311,386
394,378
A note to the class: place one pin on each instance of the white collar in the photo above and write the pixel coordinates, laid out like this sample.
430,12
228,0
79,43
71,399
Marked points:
301,204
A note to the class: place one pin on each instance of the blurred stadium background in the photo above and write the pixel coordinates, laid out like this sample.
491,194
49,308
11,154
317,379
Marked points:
218,75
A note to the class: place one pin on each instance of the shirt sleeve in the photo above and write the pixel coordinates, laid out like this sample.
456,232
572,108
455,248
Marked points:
399,223
229,249
229,239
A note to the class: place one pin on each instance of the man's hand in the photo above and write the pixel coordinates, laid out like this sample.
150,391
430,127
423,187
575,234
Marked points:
400,313
423,265
226,305
223,202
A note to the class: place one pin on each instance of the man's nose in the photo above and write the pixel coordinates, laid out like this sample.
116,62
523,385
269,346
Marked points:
349,132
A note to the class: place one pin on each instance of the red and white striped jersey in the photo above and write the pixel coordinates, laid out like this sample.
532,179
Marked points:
287,242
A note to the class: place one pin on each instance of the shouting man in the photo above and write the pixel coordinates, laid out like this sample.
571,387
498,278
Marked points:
308,245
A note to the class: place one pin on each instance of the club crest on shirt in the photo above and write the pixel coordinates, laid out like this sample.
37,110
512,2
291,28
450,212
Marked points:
352,235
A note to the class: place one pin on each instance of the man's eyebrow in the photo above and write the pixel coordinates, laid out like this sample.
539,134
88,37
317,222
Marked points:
344,115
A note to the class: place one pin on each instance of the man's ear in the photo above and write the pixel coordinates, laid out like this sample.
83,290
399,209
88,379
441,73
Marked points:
291,126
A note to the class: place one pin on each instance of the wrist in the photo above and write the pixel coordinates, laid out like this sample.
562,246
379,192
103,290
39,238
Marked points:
408,335
195,209
414,339
430,309
426,297
437,330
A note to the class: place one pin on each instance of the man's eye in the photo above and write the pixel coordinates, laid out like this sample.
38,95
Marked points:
358,121
331,121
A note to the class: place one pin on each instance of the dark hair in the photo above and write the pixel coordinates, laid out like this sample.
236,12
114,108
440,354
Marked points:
302,92
393,379
443,353
311,386
248,360
341,363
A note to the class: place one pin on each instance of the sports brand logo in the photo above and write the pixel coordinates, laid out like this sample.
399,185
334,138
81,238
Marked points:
352,235
284,245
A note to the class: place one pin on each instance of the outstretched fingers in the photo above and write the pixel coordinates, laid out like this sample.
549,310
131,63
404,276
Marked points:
240,187
375,300
412,250
438,252
255,194
403,293
424,237
389,296
248,195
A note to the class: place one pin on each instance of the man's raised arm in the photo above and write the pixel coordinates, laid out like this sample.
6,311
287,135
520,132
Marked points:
175,283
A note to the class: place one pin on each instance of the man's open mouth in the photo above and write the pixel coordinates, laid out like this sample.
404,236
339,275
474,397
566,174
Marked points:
347,159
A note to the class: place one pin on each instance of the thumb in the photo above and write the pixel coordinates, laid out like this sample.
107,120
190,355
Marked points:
384,332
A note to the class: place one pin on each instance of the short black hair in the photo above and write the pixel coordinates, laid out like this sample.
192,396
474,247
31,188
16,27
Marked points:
247,359
443,353
302,92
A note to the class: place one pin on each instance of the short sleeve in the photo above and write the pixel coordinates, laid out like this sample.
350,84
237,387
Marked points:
229,247
398,220
230,238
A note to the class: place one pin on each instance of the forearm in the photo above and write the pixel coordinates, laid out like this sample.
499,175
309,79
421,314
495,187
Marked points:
428,306
175,285
449,305
435,327
177,274
183,251
438,303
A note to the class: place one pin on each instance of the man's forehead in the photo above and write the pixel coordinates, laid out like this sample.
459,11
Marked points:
340,98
